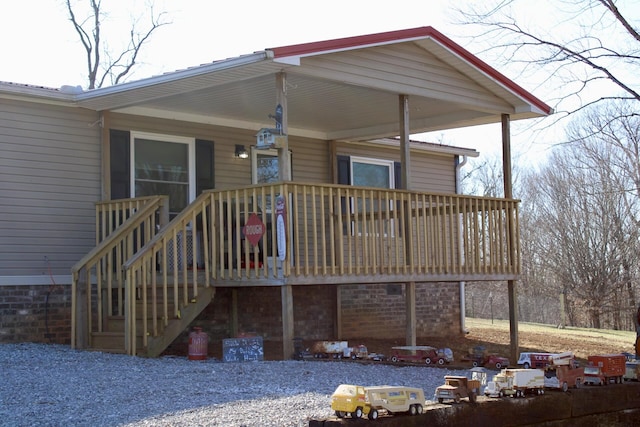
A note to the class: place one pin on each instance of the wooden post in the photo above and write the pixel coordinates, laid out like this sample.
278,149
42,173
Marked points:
284,174
286,292
284,157
410,298
508,193
405,161
405,143
338,327
234,313
563,319
81,313
106,156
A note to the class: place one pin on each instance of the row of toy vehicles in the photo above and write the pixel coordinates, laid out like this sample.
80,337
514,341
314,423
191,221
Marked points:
422,354
561,372
400,354
340,350
556,371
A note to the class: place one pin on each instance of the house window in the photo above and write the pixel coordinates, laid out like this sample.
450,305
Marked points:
264,165
371,172
163,165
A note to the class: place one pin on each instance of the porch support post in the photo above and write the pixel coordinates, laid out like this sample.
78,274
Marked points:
338,323
508,193
234,313
405,144
80,334
105,118
410,299
284,174
405,160
284,160
287,321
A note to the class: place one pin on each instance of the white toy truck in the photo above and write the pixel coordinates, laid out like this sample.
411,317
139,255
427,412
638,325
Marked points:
329,349
516,383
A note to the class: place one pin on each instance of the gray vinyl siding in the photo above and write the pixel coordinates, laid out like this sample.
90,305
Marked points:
49,181
310,158
429,172
50,172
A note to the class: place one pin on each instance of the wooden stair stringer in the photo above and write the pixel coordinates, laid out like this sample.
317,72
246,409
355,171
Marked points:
156,345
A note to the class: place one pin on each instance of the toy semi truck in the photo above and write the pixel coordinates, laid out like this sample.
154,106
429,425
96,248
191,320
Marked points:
603,369
329,349
516,383
356,401
563,372
632,371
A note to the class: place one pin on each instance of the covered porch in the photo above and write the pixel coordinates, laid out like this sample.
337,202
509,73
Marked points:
294,233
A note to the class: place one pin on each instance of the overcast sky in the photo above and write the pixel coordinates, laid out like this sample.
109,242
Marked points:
39,45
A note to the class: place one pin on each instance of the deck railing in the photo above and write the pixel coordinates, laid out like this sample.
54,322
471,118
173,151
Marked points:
313,233
111,214
124,227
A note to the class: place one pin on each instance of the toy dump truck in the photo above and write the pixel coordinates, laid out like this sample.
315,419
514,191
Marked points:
516,383
604,369
356,401
457,388
563,372
478,356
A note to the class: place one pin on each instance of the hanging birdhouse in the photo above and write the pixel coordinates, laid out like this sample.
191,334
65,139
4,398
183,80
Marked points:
269,138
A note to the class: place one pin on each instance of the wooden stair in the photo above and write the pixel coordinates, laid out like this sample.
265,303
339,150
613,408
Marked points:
112,339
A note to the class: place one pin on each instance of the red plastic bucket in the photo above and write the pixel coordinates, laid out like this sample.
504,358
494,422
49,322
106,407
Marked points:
198,344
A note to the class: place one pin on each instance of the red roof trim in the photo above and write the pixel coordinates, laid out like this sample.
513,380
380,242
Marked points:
345,43
413,33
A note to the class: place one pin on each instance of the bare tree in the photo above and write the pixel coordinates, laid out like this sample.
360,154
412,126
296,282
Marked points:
610,136
581,232
590,55
102,64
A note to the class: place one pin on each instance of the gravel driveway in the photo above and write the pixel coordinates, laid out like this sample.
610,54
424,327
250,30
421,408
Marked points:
52,385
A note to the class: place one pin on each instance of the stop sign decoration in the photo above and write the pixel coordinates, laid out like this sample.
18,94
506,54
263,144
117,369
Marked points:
253,229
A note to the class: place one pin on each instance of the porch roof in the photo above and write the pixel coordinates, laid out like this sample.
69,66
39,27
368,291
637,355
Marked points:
342,89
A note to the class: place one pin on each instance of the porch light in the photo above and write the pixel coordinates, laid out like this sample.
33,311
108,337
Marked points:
241,152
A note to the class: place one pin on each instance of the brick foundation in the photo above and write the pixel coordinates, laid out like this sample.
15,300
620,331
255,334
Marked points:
35,314
374,310
379,310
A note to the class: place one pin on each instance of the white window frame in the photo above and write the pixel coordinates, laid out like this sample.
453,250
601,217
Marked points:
191,144
372,161
254,160
381,162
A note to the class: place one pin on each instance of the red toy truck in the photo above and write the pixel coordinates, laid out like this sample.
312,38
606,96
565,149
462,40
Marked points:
603,369
421,354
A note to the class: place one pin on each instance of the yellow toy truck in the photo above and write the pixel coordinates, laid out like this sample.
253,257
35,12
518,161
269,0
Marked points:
357,401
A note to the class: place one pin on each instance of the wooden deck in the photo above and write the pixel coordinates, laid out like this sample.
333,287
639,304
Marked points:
280,234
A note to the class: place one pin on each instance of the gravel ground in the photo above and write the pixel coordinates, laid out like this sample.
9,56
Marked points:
52,385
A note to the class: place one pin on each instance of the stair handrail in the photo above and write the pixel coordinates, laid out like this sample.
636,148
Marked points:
147,266
80,270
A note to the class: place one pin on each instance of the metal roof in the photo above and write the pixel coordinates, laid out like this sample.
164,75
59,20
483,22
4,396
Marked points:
343,89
